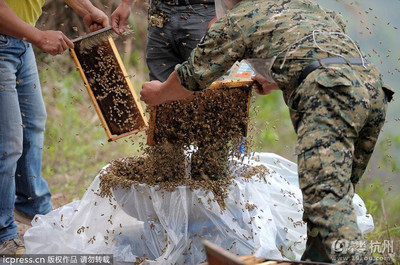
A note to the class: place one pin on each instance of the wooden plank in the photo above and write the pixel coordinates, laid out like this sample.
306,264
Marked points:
114,138
128,81
231,84
152,126
219,256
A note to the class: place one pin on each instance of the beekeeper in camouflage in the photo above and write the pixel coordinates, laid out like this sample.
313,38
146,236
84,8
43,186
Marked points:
337,103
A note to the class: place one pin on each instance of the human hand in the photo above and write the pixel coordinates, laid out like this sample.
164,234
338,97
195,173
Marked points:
262,86
155,92
52,42
96,19
120,16
152,94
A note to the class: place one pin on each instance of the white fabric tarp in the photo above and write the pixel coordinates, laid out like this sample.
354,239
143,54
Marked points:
263,218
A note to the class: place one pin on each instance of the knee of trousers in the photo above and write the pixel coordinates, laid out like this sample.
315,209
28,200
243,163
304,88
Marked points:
37,123
323,172
12,147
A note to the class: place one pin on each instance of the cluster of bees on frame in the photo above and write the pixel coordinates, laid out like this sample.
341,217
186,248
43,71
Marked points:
110,88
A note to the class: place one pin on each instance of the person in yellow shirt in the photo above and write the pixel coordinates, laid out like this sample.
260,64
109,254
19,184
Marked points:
22,110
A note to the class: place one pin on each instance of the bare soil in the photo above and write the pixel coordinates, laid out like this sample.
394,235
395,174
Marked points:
58,200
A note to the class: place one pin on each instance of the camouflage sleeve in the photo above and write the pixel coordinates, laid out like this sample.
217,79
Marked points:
337,18
220,48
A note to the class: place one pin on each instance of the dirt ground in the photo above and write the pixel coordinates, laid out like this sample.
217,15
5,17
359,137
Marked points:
58,200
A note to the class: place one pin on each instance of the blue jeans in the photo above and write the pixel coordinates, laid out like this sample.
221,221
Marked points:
22,123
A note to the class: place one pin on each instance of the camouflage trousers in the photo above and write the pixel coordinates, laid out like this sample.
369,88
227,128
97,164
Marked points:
337,114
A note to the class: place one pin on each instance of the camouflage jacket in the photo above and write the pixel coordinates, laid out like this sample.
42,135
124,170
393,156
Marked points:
264,29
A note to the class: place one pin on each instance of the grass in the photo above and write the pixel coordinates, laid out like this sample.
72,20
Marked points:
383,204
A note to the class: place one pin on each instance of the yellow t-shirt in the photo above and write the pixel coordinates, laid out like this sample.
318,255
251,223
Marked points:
28,10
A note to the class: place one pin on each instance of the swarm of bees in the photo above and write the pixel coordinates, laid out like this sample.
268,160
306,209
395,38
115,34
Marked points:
196,140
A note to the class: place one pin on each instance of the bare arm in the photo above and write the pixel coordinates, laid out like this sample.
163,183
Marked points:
19,29
156,92
93,17
212,21
53,42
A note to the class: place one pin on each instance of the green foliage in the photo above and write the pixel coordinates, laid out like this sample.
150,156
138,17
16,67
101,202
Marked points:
389,146
384,206
271,128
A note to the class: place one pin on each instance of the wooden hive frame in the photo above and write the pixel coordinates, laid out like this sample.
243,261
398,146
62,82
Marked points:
141,122
219,256
215,87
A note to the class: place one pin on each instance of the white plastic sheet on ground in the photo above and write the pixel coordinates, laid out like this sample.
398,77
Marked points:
169,227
